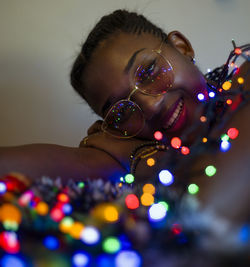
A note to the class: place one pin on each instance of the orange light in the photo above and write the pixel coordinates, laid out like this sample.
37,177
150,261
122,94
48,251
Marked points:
9,212
240,80
204,139
111,213
203,119
176,142
226,85
42,208
148,188
147,199
76,230
229,101
237,51
63,198
158,135
150,162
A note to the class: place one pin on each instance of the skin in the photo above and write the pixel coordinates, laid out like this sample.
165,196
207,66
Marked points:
105,156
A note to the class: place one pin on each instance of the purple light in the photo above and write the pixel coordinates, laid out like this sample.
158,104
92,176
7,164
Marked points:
211,94
200,96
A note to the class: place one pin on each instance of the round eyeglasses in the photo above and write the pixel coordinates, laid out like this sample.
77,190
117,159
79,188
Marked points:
153,76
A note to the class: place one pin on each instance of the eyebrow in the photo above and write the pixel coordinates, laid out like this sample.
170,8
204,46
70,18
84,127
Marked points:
126,70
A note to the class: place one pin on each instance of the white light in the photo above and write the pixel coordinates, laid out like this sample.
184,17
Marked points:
166,177
225,146
211,94
3,188
127,258
200,96
80,259
90,235
208,70
157,212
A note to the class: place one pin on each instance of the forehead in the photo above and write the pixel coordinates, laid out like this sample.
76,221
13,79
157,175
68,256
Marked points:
105,73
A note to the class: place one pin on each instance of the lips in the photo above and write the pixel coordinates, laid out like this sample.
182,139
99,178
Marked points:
175,117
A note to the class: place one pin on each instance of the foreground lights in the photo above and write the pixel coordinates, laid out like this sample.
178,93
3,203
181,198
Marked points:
225,146
224,137
111,245
111,213
193,189
157,212
90,235
132,201
185,150
240,80
148,188
129,178
80,259
158,135
147,199
166,177
150,162
201,97
11,261
42,208
210,170
127,258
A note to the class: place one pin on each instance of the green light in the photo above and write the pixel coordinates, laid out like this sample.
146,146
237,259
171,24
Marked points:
129,178
111,245
67,221
81,184
193,189
210,170
165,204
10,225
224,137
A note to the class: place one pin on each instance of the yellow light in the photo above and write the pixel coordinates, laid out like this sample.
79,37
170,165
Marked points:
204,139
76,230
203,119
65,224
9,212
148,188
240,80
226,85
111,214
147,199
42,208
150,162
120,185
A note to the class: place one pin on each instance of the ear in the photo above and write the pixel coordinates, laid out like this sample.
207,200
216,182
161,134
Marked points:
181,43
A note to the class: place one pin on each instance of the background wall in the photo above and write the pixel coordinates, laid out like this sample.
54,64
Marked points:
40,39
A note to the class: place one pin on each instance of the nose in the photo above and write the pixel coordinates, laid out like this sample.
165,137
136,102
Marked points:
150,105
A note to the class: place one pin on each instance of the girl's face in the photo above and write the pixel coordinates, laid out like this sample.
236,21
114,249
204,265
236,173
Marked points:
108,80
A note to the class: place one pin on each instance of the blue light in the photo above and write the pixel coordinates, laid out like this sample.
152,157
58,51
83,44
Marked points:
80,259
157,212
225,146
11,261
211,94
3,188
104,260
127,258
166,177
51,242
67,209
200,96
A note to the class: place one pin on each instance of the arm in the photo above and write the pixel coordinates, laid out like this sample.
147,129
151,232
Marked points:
37,160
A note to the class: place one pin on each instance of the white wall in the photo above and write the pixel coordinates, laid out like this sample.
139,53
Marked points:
39,41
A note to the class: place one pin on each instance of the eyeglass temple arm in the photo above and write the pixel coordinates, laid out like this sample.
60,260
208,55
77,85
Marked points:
135,89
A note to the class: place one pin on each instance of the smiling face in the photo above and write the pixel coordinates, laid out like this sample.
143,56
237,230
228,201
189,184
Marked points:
115,61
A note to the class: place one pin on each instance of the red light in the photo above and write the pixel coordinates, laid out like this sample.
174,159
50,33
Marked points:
233,133
158,135
9,242
56,214
237,51
176,229
132,202
176,142
229,101
185,150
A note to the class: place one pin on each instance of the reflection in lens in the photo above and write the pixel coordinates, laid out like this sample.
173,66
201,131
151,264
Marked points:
125,119
154,74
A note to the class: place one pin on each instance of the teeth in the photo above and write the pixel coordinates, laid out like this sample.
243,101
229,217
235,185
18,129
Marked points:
175,115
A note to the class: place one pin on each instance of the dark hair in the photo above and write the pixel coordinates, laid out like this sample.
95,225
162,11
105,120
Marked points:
118,21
